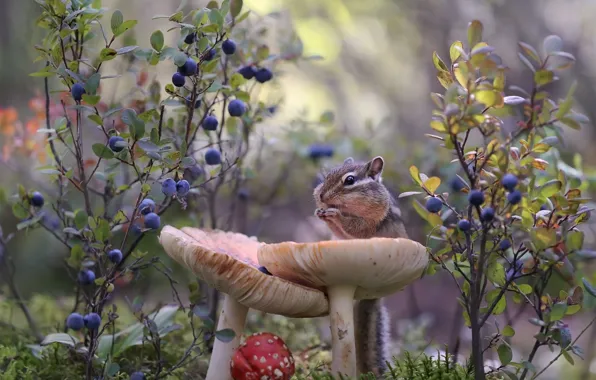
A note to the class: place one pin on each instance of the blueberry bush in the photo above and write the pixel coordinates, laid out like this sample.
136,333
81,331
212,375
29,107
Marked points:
109,165
507,225
113,151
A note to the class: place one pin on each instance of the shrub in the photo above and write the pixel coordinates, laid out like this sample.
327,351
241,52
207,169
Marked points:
508,245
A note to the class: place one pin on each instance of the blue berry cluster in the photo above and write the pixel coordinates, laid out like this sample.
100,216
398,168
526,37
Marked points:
509,182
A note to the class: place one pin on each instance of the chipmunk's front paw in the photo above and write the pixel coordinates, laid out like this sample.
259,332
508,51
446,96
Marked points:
326,212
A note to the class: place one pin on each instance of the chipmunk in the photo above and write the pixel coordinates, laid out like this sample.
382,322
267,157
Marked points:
355,204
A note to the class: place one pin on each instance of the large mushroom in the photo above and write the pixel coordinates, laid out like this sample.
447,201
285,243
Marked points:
227,261
347,270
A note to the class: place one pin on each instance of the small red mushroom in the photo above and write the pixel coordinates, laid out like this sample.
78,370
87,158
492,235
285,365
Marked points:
263,356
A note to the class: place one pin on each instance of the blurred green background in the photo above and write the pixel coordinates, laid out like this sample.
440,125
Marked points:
377,72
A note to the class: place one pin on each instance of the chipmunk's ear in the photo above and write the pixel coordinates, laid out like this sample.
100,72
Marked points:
374,168
348,161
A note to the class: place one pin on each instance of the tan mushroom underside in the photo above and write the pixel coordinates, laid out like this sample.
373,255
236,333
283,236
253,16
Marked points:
227,261
377,266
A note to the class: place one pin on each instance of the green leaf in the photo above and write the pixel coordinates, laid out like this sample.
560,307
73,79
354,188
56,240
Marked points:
225,335
543,77
525,288
157,40
126,25
126,49
28,222
558,311
550,188
180,59
589,288
496,273
147,146
474,33
80,219
455,50
102,151
235,7
501,303
92,83
505,354
216,18
76,256
91,99
116,21
96,119
237,80
530,52
262,52
508,331
61,338
552,43
133,335
107,54
438,62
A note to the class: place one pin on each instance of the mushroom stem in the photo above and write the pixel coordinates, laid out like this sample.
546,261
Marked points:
341,313
232,316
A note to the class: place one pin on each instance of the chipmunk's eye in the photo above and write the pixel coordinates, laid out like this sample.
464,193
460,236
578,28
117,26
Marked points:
349,180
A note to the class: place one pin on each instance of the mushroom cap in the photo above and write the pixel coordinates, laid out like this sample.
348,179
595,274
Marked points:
377,266
227,261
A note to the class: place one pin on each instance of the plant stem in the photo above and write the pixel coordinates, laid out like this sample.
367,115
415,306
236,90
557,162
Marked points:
9,275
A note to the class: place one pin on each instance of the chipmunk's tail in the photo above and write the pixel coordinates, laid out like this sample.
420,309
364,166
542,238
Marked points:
372,336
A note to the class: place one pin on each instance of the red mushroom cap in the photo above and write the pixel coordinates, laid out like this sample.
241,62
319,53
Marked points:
263,356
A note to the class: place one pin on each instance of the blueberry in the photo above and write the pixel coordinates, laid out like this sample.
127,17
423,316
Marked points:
92,321
505,244
464,225
487,214
147,206
189,99
434,205
77,91
243,194
264,270
116,143
263,75
514,197
272,109
86,277
212,157
236,108
189,68
168,187
37,199
509,181
51,221
152,221
190,38
316,151
210,123
456,184
75,321
193,173
137,376
476,197
136,230
182,188
543,207
178,80
115,256
228,47
514,271
248,72
565,336
210,54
